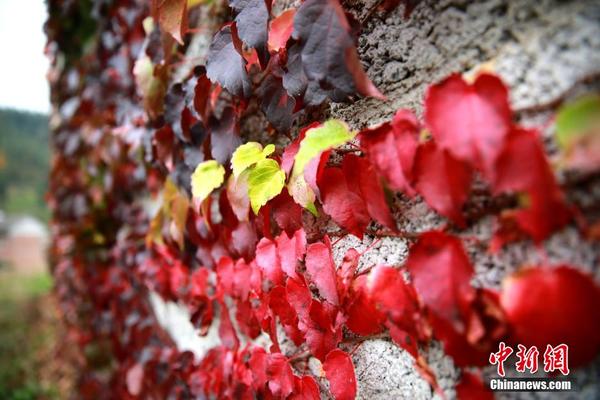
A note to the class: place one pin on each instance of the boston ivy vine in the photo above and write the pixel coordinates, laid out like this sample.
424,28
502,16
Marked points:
230,238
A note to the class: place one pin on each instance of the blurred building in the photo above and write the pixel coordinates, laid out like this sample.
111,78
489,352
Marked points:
23,242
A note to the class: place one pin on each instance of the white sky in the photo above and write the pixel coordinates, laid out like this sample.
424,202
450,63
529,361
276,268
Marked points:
23,65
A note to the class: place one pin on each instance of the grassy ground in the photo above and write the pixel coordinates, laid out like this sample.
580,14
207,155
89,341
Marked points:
29,333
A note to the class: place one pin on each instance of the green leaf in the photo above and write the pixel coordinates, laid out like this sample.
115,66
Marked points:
265,181
207,176
331,134
577,119
247,155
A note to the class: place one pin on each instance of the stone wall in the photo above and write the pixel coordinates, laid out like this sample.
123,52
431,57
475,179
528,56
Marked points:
547,52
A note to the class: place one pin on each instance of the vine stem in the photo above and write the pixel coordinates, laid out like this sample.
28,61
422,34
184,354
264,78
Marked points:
360,339
347,151
304,355
377,233
388,233
370,11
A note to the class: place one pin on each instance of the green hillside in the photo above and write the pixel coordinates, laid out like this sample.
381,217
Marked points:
24,158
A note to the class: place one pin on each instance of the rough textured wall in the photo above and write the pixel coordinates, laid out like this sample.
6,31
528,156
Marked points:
547,52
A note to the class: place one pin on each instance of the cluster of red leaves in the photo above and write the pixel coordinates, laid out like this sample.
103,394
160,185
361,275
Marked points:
269,290
298,286
97,227
258,273
471,135
472,132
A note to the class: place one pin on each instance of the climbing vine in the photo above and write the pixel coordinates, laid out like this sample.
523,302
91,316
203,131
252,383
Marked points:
231,232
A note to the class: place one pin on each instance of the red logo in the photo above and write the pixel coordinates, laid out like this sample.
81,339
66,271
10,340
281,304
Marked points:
498,358
555,358
528,359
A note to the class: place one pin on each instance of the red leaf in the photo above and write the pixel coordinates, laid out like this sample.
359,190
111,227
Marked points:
227,332
470,121
363,316
225,275
471,387
258,366
404,340
339,371
442,180
441,272
486,324
286,212
281,377
178,278
345,207
319,331
328,54
246,319
306,388
242,279
291,250
202,92
281,29
554,306
394,297
243,239
523,168
198,282
392,147
299,296
285,312
268,261
347,271
361,178
456,343
321,268
172,17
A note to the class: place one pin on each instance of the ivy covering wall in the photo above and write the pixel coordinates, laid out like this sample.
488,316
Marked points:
240,159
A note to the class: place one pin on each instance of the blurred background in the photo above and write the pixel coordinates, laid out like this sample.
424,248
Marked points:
30,351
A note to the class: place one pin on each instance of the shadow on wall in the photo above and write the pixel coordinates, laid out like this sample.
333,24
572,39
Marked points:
23,243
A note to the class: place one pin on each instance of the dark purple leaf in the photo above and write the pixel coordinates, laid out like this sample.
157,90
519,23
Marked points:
224,135
252,23
275,102
225,64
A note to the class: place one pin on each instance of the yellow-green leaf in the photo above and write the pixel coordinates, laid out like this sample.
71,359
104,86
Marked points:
207,176
580,118
331,134
247,155
265,181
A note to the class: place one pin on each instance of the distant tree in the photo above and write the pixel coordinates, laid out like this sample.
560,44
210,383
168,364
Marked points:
24,159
